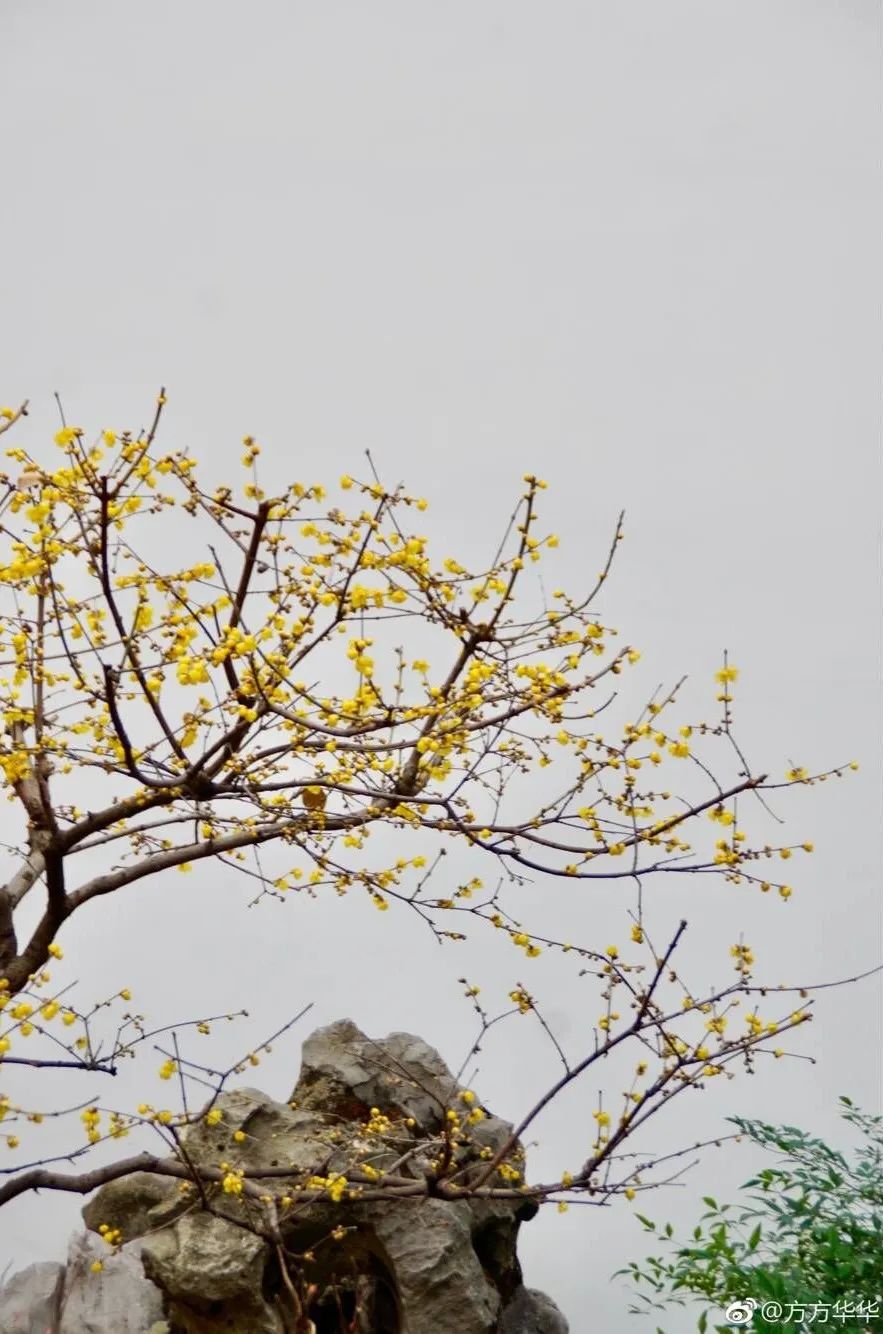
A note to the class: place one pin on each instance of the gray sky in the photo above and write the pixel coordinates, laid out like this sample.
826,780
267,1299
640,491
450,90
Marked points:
633,247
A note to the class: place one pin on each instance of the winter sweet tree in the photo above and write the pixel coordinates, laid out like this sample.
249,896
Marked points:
310,674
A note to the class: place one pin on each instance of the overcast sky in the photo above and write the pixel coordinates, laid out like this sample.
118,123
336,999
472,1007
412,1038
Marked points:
631,246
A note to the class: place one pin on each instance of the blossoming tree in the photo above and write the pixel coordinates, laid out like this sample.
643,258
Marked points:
309,673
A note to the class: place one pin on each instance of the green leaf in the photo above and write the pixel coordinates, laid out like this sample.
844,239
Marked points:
809,1226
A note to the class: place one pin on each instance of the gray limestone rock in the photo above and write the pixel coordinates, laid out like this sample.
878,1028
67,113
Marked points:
210,1270
126,1203
441,1283
118,1300
347,1073
30,1299
532,1312
413,1265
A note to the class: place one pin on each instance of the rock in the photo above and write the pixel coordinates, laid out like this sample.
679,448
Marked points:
345,1073
277,1135
442,1286
126,1203
29,1301
118,1300
532,1312
406,1266
210,1270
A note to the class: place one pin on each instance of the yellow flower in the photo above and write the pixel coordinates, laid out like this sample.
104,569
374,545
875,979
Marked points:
67,435
231,1182
336,1187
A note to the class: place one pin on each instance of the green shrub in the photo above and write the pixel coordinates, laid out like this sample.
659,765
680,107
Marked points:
808,1234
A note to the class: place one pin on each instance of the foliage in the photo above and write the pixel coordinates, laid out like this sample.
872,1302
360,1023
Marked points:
808,1234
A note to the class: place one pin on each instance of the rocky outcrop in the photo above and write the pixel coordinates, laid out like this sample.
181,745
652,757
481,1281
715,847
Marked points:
118,1300
532,1312
372,1266
73,1299
31,1300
